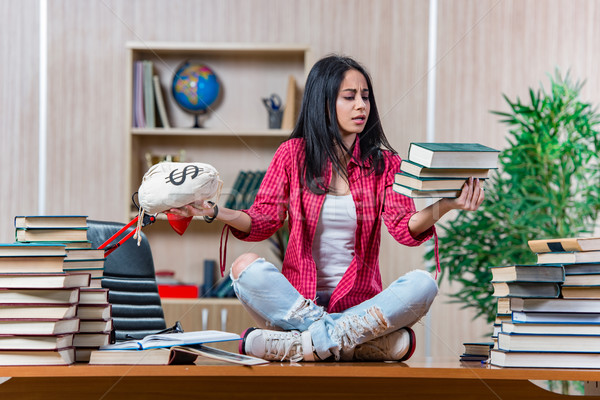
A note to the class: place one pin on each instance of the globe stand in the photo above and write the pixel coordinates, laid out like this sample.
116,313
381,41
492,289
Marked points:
197,116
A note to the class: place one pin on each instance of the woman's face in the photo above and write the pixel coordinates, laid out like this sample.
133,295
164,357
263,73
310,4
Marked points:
352,104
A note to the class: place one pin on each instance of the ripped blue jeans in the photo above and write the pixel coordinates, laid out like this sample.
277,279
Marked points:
276,304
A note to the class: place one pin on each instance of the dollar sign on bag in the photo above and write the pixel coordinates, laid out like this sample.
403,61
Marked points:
193,171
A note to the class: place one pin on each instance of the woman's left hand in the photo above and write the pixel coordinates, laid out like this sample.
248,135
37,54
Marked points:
471,196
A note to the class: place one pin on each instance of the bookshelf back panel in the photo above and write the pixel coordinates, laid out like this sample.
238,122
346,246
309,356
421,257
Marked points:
244,78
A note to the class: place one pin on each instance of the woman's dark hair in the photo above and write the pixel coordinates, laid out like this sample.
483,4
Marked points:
317,123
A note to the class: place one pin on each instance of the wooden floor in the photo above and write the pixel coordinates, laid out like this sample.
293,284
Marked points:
412,380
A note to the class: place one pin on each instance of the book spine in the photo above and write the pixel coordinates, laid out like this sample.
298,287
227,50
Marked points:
209,278
139,95
231,200
148,95
160,103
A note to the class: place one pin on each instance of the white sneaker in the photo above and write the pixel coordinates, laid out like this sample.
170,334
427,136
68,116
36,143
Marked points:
396,346
276,345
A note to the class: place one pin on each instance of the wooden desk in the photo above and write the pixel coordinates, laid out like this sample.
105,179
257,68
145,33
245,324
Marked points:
411,380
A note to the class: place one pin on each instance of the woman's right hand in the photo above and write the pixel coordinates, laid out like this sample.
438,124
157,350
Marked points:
200,209
234,218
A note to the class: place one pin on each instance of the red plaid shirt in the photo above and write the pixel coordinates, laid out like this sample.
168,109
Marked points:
282,195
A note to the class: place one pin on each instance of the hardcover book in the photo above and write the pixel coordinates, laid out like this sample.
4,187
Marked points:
35,342
582,280
31,264
92,326
93,296
76,254
478,348
415,182
51,221
526,289
547,328
32,249
568,257
415,169
160,356
64,356
38,311
57,280
453,155
51,235
415,193
584,268
564,244
94,311
89,339
556,305
529,359
82,264
94,273
580,292
528,273
148,90
38,326
160,103
39,296
549,343
555,317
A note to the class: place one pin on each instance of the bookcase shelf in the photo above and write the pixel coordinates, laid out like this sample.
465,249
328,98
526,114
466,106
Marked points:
234,134
276,133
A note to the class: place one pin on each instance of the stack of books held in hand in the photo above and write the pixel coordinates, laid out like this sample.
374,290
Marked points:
557,329
38,305
441,169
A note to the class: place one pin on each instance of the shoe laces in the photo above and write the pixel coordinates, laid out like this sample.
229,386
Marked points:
282,345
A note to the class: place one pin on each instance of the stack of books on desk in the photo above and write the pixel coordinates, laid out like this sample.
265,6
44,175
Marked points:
476,351
70,231
93,311
441,169
561,332
38,305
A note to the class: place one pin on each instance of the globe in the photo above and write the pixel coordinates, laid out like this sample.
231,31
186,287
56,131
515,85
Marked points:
195,88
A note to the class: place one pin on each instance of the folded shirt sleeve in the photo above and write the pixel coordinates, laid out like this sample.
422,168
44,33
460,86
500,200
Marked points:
398,209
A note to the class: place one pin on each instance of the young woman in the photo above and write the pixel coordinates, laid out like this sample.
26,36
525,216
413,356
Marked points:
332,180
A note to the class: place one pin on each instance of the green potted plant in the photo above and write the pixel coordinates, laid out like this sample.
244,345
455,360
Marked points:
547,186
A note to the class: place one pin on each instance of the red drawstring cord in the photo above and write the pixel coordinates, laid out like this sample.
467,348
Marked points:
223,249
436,250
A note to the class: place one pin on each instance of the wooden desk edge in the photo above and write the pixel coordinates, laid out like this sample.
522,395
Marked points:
450,370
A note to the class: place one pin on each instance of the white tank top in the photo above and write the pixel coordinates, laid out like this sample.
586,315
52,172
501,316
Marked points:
333,245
